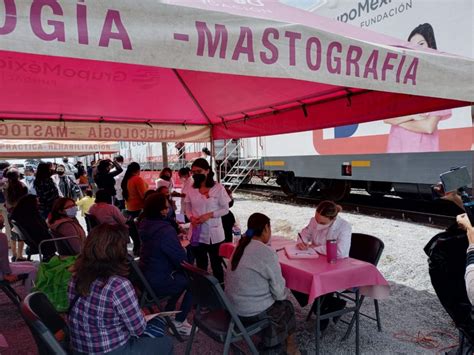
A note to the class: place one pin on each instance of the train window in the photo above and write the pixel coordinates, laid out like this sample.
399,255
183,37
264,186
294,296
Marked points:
346,169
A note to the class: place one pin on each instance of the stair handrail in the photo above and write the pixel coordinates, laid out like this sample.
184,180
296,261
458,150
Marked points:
177,159
250,166
226,159
228,142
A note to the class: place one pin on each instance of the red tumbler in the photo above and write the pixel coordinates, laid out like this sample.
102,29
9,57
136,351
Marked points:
331,251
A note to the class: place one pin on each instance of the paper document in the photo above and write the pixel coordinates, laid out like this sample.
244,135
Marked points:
292,252
149,317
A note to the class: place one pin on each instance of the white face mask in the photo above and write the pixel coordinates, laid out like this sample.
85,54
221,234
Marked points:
71,211
320,227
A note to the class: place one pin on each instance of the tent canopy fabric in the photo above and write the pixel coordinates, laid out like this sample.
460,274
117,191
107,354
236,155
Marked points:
190,70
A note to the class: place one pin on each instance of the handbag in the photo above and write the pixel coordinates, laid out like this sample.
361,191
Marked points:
53,278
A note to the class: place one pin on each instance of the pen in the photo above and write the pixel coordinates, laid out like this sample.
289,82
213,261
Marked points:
301,238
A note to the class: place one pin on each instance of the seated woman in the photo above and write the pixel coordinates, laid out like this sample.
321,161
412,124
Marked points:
104,315
256,287
327,225
10,272
26,215
103,210
161,257
63,221
171,216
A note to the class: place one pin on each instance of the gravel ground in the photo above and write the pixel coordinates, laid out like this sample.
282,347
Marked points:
412,309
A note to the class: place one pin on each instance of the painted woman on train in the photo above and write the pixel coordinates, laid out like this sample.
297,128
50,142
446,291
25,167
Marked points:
418,132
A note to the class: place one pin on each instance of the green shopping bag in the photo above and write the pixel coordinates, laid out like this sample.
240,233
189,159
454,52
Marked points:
53,278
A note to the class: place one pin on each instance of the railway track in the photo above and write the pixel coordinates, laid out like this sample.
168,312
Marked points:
433,213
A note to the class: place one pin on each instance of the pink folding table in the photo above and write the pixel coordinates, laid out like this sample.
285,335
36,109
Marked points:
316,277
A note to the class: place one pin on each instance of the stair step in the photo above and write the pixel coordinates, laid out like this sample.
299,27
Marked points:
227,183
243,167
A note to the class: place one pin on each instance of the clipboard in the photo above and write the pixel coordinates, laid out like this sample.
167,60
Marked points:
292,252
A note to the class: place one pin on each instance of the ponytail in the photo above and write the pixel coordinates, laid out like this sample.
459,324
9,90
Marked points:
132,169
239,252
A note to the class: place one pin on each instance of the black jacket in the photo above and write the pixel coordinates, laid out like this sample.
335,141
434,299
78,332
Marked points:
106,181
447,265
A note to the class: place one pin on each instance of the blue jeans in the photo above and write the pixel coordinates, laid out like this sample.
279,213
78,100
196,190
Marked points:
175,289
143,346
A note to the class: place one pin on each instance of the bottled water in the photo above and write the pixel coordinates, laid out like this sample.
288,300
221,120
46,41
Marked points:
237,234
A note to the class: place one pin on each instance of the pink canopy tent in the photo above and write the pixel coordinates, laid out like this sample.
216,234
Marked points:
191,70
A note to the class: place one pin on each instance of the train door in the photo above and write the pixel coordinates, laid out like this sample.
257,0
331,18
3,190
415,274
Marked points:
253,148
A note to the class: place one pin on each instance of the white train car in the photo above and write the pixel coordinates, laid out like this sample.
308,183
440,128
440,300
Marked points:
403,155
150,154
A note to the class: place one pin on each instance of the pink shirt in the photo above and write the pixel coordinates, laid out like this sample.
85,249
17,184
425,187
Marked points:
401,140
107,214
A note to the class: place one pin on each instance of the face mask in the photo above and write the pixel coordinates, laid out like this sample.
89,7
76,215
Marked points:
198,179
60,172
29,178
71,212
166,177
320,227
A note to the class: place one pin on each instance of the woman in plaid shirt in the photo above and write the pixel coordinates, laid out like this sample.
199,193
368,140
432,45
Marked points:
105,316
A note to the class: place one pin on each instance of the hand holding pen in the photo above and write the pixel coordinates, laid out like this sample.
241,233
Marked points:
302,245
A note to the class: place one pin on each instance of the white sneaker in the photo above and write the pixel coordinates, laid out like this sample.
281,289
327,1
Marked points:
183,328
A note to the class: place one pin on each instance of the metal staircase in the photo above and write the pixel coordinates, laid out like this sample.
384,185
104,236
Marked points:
234,169
240,173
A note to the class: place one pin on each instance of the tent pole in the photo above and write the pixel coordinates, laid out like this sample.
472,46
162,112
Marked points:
213,157
164,153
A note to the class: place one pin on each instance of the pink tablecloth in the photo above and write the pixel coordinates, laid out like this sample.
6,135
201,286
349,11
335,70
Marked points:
317,277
